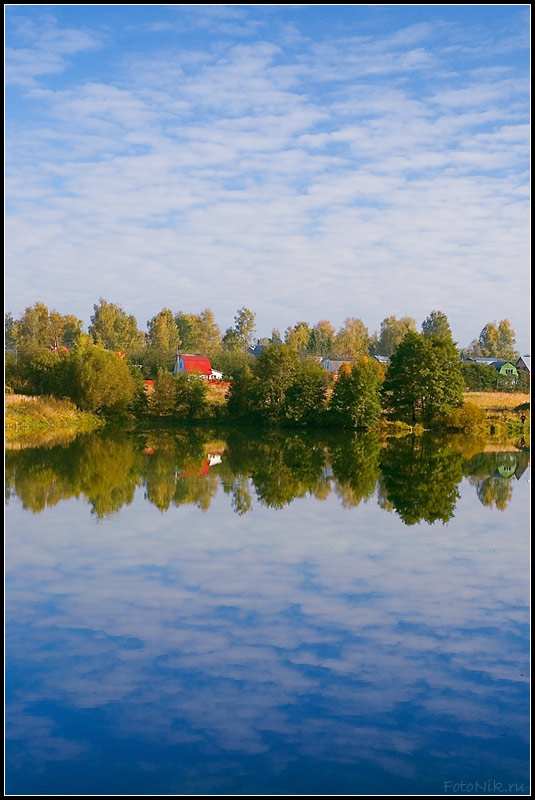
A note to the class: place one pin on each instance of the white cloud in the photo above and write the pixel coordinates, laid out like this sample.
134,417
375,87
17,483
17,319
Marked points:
280,178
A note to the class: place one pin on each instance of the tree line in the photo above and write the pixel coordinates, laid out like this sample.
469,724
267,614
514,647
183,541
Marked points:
103,369
112,328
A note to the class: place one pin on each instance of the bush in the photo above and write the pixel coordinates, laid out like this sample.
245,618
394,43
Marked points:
99,380
467,417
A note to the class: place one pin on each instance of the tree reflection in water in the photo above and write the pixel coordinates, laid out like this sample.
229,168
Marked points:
415,477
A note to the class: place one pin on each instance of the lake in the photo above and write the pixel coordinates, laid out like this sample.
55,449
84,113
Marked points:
205,612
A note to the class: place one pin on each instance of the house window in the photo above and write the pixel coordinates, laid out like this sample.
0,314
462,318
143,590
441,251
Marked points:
508,371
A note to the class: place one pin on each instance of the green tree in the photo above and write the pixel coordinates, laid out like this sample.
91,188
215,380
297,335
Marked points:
298,337
496,340
163,397
190,396
436,324
209,334
10,331
424,381
244,323
322,338
47,372
352,339
356,398
111,327
39,327
99,380
392,333
199,333
275,370
305,397
163,331
162,341
186,326
478,377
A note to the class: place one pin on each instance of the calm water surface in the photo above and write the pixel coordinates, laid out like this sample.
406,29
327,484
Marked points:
193,613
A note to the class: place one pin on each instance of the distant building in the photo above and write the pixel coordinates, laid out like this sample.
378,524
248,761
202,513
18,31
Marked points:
524,364
333,364
501,365
256,350
197,365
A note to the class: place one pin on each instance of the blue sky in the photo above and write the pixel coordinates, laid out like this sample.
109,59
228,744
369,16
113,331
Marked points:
308,162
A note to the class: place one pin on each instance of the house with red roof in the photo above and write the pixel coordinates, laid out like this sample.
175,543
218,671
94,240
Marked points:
197,365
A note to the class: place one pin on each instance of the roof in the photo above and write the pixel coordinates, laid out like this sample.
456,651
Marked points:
196,364
497,363
382,359
526,361
333,365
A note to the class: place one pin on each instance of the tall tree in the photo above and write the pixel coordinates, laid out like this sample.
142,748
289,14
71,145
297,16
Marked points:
275,370
209,333
322,338
424,380
239,337
10,331
298,337
498,340
39,327
305,397
356,399
244,325
391,334
111,327
163,331
436,324
163,341
352,339
199,333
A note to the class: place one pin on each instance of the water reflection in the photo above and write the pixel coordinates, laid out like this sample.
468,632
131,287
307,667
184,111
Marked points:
288,640
415,477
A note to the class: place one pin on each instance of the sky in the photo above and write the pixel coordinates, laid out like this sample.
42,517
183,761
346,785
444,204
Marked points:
307,162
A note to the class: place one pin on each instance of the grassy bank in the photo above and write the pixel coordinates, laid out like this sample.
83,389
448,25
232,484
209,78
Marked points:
25,415
503,412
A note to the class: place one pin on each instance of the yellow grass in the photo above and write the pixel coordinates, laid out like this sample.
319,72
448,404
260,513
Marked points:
23,413
496,400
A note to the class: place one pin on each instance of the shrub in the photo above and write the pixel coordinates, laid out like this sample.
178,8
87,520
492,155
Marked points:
467,417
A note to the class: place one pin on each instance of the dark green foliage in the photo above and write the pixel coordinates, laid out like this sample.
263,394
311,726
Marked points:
478,377
48,372
243,397
424,380
275,370
305,398
436,324
356,399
